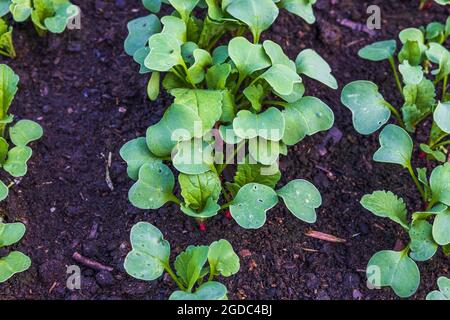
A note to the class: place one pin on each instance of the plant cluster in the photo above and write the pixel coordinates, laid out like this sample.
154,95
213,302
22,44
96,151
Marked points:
444,290
150,257
428,229
14,161
46,15
424,63
225,96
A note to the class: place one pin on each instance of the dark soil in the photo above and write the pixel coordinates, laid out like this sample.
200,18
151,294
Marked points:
90,99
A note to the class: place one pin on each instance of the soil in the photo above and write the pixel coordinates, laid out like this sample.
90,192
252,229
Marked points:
90,99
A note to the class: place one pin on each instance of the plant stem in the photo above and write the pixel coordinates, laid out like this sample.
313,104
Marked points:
188,75
397,79
226,205
441,144
444,88
396,114
211,273
416,181
174,199
276,103
230,158
174,277
239,83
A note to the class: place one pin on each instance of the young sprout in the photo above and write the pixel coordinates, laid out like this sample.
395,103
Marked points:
150,257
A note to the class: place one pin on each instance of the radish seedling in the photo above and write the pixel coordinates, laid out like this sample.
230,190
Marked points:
15,261
150,257
444,290
47,16
422,50
427,229
13,159
245,97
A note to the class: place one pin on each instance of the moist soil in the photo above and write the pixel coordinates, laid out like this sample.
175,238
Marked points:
87,94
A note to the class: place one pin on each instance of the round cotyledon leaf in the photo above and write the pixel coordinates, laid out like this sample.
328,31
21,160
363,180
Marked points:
396,146
302,199
13,263
378,51
251,204
268,124
367,105
136,153
444,290
165,53
423,247
396,270
282,79
150,252
247,57
440,184
11,233
442,116
441,228
16,163
153,188
314,66
24,132
4,191
222,258
208,291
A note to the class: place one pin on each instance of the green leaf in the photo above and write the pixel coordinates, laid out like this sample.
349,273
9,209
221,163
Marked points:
189,264
154,187
165,53
442,116
440,184
184,7
396,146
412,52
254,173
247,57
258,15
139,57
208,291
296,95
174,27
178,124
367,105
153,86
4,148
268,124
24,132
64,12
444,290
422,246
6,41
228,107
435,32
436,154
228,135
4,191
4,7
277,55
281,78
210,209
217,76
8,89
13,263
11,233
152,5
21,10
264,151
441,56
202,60
251,204
139,32
411,74
220,55
135,153
16,164
378,51
197,189
207,104
396,270
302,199
386,205
150,254
255,94
304,118
419,101
193,157
222,259
441,228
302,8
314,66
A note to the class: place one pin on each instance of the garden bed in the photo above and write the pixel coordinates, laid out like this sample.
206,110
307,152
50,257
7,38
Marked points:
86,93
